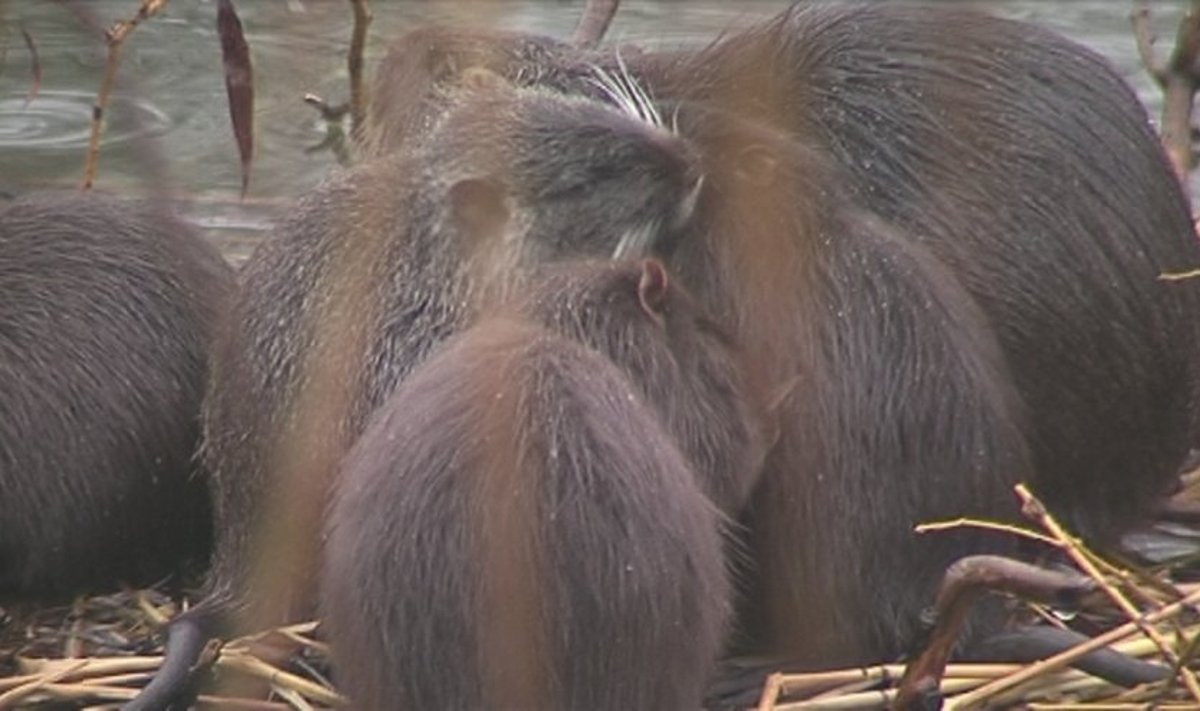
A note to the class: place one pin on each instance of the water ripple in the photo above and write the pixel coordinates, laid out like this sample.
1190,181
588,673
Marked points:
61,120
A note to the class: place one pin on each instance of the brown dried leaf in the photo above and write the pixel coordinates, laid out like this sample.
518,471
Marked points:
35,66
239,84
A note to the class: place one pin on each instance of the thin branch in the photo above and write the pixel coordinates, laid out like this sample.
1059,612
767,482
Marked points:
593,23
1144,37
358,42
115,37
1059,661
35,67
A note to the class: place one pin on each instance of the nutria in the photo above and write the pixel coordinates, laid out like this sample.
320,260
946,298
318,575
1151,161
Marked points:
517,527
904,410
964,148
1022,163
703,386
370,272
107,309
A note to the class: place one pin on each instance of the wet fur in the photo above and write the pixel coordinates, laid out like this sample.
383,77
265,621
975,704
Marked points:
960,143
517,527
955,143
956,313
107,309
423,69
370,272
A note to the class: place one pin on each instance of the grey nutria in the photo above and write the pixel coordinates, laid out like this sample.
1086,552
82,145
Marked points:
371,271
533,519
107,310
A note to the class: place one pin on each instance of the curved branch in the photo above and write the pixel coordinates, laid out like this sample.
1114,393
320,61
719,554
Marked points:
1139,17
597,16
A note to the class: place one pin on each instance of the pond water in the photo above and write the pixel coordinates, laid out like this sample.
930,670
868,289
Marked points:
168,124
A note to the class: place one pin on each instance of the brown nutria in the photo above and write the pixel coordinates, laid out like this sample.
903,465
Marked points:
372,270
107,308
964,152
1024,165
517,528
704,388
904,412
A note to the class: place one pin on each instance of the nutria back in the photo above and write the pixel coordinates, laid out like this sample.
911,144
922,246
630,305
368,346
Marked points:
1033,172
415,80
519,522
107,310
1022,172
380,264
688,368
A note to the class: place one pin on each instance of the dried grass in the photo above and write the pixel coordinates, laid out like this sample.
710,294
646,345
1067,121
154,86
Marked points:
98,651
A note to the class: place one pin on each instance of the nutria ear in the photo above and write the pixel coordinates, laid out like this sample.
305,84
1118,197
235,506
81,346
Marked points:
652,289
756,165
481,78
479,207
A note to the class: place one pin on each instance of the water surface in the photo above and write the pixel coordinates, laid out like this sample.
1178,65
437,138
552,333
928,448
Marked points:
168,125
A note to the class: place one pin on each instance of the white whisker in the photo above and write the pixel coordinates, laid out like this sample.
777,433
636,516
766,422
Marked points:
639,93
636,242
626,93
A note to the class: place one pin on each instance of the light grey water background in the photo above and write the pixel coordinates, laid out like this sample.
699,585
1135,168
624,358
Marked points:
168,126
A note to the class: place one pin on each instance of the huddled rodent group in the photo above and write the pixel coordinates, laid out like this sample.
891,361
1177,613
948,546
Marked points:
604,362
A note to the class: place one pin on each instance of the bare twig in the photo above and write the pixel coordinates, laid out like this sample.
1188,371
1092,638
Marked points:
770,692
115,37
358,41
10,699
1015,530
1179,79
35,67
1179,276
1033,508
70,669
254,666
593,23
964,582
1059,661
1144,37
